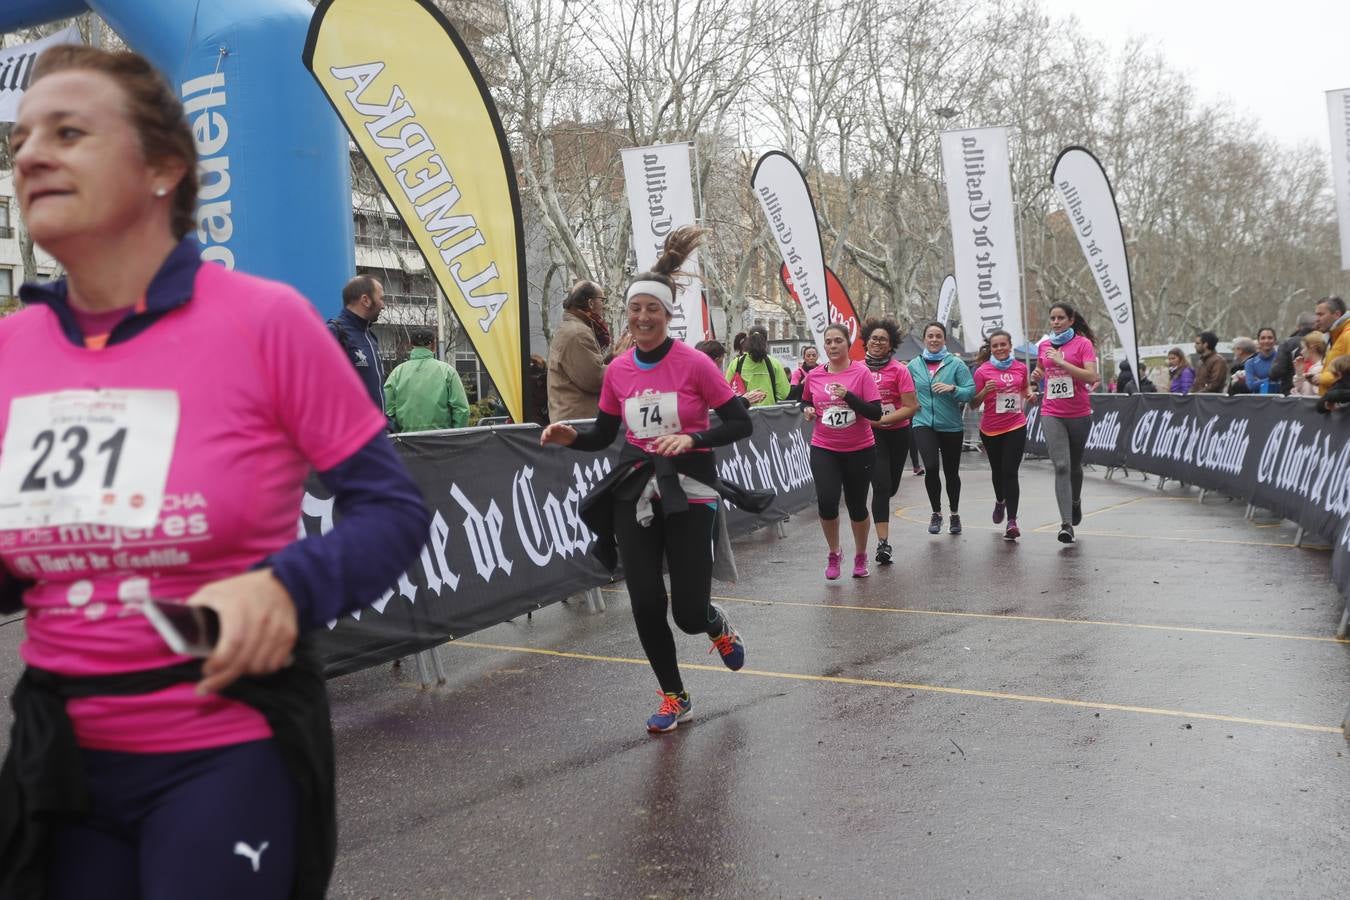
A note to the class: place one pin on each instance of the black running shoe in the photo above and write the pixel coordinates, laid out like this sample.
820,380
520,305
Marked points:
955,526
884,553
935,523
1065,533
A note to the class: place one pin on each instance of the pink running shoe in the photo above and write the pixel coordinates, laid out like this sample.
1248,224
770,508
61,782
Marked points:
832,565
860,566
1013,532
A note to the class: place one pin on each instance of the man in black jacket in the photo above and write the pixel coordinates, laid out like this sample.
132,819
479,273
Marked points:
1282,370
363,301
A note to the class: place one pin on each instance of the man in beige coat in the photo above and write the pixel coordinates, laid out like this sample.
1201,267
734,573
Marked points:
577,355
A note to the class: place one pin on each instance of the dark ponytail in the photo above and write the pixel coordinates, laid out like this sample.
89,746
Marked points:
757,343
1079,325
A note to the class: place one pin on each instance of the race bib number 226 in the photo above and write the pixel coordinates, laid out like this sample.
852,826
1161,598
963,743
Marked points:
98,457
1060,387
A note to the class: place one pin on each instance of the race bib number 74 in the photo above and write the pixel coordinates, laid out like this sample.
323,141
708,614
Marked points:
98,457
652,414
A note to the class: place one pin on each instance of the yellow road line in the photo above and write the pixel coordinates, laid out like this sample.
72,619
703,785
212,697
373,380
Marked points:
1129,502
1225,632
926,688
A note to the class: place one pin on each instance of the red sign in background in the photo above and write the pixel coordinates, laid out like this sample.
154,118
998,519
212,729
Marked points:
841,308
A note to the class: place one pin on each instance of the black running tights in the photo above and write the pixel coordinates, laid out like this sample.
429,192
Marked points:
892,451
947,445
849,472
1005,458
681,543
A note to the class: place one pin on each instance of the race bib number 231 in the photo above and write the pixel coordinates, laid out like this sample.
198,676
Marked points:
96,457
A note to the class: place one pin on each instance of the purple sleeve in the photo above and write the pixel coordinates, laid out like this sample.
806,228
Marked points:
380,526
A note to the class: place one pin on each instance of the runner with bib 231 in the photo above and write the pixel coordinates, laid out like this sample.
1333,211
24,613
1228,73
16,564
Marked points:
159,416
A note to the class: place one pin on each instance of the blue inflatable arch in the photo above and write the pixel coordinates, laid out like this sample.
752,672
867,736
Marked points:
276,190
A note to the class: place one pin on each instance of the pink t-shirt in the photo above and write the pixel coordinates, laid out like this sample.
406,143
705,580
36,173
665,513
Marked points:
265,394
892,380
798,374
996,419
672,397
838,427
1065,396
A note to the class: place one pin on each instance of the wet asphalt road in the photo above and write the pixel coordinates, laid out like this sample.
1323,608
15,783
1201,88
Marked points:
1153,711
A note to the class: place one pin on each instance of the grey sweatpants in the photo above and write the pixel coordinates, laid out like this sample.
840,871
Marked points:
1065,440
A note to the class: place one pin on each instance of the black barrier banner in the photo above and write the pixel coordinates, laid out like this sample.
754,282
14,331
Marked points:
1112,415
506,536
1278,453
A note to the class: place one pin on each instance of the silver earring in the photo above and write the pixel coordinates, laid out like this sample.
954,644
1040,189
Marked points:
160,192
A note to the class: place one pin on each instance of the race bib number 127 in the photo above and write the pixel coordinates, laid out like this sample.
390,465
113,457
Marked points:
96,457
837,417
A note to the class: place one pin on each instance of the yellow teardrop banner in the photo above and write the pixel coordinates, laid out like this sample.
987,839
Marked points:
404,84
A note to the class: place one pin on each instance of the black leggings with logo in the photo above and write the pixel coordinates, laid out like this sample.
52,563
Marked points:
683,544
1005,458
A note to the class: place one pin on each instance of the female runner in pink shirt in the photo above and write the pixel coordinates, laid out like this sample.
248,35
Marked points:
660,393
1003,388
810,359
899,403
159,416
1067,361
843,399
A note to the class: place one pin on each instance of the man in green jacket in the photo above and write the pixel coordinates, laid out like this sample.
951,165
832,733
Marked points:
425,394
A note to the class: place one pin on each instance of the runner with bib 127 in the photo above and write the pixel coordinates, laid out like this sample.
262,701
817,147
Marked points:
842,397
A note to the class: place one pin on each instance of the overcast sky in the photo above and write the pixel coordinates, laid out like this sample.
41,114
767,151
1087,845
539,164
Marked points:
1274,60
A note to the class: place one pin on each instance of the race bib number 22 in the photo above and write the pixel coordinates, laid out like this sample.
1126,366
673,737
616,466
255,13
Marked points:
95,457
1007,404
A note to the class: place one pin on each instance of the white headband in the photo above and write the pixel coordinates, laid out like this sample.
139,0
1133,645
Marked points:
656,289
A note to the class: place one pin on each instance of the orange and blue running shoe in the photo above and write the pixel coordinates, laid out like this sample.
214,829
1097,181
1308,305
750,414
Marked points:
674,709
728,643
